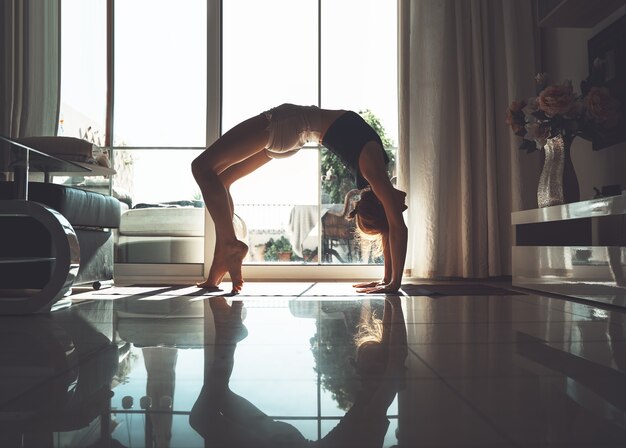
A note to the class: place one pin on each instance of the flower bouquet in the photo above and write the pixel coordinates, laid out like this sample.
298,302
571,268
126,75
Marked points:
558,110
553,118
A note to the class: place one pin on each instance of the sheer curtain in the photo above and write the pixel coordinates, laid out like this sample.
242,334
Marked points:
30,67
461,62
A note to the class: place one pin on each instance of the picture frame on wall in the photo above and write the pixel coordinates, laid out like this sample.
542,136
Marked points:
609,48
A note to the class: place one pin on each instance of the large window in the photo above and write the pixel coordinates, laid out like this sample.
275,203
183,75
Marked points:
337,54
157,104
160,94
83,69
149,104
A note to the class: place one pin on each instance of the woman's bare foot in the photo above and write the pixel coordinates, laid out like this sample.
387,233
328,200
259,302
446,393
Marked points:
215,276
228,258
228,320
234,259
218,268
208,286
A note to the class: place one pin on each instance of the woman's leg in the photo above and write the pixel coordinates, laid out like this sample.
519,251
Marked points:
228,177
240,143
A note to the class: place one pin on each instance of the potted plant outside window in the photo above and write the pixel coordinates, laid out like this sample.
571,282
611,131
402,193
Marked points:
278,250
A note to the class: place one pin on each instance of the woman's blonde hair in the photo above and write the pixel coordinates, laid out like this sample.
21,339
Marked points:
369,329
370,352
370,219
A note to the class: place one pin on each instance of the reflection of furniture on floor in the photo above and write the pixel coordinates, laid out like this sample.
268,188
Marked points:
55,381
170,233
161,328
48,230
577,249
175,321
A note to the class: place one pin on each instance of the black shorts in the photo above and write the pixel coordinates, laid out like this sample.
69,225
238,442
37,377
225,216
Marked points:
346,137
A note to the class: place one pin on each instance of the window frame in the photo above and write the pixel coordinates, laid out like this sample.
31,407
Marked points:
126,273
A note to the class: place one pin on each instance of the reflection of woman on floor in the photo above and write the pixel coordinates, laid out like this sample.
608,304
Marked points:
222,417
380,357
281,132
226,419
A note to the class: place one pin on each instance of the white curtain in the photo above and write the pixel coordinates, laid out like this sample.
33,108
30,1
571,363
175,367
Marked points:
30,70
461,63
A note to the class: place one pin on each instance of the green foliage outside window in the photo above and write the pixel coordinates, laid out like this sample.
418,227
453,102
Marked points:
274,247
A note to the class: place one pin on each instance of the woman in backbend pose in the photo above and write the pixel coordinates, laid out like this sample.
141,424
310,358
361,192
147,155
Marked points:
281,132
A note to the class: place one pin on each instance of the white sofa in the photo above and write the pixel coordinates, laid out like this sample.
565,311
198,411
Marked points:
167,235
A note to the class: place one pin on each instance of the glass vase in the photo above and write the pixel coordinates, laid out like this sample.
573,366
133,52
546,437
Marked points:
558,183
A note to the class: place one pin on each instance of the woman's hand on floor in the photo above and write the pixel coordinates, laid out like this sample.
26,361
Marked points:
386,288
370,284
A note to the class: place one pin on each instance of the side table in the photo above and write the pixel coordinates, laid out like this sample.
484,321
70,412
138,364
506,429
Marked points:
65,260
577,250
63,265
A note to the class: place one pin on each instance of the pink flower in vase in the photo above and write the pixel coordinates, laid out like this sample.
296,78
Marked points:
601,107
557,99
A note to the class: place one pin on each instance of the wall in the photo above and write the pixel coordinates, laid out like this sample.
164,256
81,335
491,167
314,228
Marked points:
564,56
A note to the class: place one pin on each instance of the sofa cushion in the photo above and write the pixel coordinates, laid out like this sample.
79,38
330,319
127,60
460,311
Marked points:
80,207
68,148
178,221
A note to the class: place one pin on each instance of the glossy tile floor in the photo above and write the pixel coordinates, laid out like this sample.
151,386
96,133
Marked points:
313,364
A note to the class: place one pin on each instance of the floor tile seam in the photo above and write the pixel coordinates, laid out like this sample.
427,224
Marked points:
214,294
589,304
149,411
581,316
274,417
477,322
537,300
47,381
68,323
504,377
4,404
312,285
603,325
535,321
490,376
500,377
573,299
473,408
512,342
461,296
605,338
487,445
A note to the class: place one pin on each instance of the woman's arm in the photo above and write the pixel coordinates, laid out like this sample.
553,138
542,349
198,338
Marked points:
387,257
395,342
387,275
372,166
